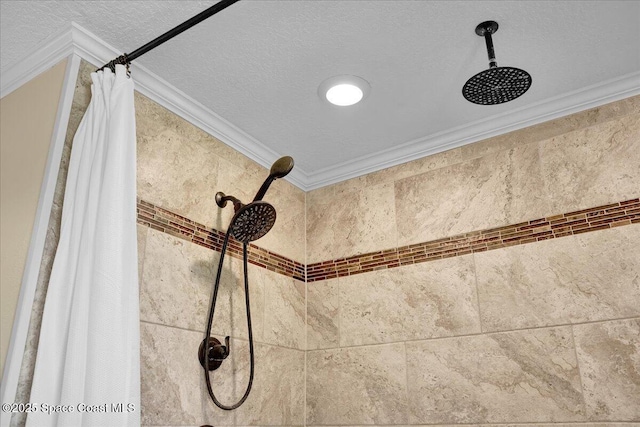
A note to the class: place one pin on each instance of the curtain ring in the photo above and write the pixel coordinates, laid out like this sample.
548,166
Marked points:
122,59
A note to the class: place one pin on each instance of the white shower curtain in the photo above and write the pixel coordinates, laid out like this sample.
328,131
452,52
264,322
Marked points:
88,357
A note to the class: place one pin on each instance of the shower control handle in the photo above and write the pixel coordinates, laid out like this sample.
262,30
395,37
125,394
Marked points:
215,352
219,352
224,350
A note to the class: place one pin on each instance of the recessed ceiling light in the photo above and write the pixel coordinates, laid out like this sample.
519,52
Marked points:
344,90
344,94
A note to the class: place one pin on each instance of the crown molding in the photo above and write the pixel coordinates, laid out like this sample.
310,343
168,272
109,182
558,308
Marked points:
48,54
77,40
94,50
559,106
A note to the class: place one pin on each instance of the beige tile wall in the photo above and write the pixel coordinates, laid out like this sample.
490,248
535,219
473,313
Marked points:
533,372
521,425
543,333
174,391
180,168
538,334
589,277
583,160
510,377
413,302
361,385
609,355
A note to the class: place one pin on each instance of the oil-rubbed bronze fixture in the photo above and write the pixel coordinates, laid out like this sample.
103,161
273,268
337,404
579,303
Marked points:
250,222
497,84
217,353
254,220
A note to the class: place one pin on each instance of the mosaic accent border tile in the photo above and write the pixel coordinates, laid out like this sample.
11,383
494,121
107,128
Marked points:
583,221
169,222
592,219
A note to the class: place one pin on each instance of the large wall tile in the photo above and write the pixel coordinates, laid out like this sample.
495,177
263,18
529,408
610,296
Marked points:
178,174
562,425
418,301
230,317
172,381
415,167
518,425
277,397
552,128
354,223
524,376
178,279
142,245
592,276
287,237
498,189
180,168
174,390
236,181
514,425
284,305
593,166
363,385
323,305
609,356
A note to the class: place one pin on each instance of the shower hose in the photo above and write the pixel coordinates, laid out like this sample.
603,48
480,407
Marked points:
209,323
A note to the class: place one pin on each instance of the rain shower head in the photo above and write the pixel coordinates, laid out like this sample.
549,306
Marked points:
497,84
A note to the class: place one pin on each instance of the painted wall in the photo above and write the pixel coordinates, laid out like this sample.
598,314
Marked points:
539,332
27,118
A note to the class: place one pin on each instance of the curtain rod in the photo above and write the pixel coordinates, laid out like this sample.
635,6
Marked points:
126,59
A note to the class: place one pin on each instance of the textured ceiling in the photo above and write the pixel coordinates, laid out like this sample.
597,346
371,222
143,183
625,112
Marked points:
258,64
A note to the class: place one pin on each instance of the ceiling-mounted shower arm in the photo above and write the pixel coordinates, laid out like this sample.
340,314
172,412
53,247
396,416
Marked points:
495,85
485,30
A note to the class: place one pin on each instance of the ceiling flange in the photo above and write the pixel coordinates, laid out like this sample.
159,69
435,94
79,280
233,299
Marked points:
487,27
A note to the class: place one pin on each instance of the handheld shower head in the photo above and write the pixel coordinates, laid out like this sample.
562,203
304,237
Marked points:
254,220
279,169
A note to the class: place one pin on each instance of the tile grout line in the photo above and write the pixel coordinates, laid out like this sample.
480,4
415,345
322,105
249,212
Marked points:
406,384
504,423
215,333
481,333
575,352
339,311
306,317
475,273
